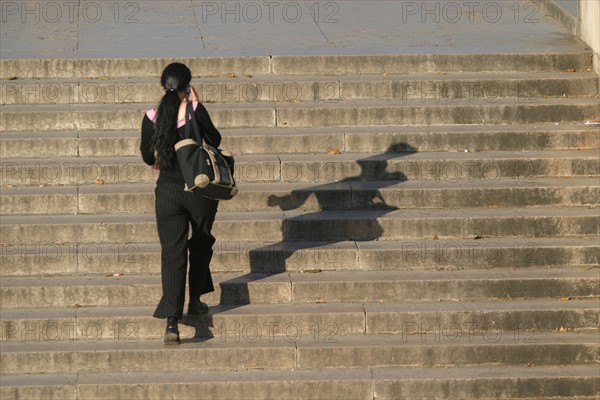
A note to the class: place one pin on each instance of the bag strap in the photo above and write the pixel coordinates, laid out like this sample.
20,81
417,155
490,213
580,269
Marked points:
191,123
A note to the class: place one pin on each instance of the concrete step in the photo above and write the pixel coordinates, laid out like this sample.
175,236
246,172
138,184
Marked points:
493,166
451,138
361,225
521,87
439,281
356,351
309,114
498,382
230,322
410,63
394,112
332,322
101,199
132,324
28,259
296,65
124,116
454,271
323,287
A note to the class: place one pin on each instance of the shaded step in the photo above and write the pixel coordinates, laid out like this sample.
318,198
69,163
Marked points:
272,88
325,225
350,351
298,65
140,198
342,113
38,259
319,140
494,166
324,287
514,382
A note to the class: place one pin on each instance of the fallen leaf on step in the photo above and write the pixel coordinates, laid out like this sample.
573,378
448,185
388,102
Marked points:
562,329
231,75
14,78
334,151
531,365
100,181
566,298
435,237
571,70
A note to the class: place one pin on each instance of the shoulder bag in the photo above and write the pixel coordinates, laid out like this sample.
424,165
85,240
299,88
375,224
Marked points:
206,169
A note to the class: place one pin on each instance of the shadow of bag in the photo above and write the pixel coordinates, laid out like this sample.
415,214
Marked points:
206,169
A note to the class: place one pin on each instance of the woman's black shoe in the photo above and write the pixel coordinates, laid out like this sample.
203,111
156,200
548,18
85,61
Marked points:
171,332
196,307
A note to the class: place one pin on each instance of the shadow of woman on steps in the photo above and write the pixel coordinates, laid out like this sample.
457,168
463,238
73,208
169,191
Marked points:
347,211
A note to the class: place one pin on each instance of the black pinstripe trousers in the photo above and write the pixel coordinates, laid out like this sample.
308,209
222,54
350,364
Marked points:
176,211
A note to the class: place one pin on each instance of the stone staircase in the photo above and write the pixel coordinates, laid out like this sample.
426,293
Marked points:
408,227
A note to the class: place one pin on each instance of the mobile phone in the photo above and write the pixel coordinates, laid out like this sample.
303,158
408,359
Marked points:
188,90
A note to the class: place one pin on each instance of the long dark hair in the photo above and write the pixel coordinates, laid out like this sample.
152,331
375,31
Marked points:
175,78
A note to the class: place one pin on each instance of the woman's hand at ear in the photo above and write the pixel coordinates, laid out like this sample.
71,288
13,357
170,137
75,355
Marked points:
193,94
